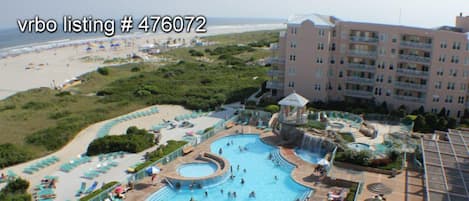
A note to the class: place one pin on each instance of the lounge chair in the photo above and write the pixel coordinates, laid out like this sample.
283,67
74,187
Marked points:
81,190
92,187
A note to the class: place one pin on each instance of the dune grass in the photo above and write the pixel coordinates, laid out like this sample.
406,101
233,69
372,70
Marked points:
42,120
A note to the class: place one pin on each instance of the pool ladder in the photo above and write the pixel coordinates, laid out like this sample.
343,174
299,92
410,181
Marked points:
277,158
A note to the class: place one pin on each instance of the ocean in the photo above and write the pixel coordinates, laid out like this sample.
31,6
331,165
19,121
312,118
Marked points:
12,41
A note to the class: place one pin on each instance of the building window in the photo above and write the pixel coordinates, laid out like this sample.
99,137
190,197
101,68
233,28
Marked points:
436,98
291,84
291,71
339,87
388,92
440,72
459,113
463,86
320,46
382,37
434,110
332,60
341,74
461,99
321,32
448,112
317,87
292,57
453,72
394,39
466,61
390,79
438,85
391,66
449,99
442,58
443,44
393,51
455,59
456,45
450,86
333,47
292,44
319,60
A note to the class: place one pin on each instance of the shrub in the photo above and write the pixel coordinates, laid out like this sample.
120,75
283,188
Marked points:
63,93
354,157
135,69
60,114
35,105
96,192
134,141
16,191
161,152
11,154
196,53
103,71
272,108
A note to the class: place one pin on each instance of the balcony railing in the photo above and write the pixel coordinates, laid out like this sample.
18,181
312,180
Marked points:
416,44
415,58
412,72
274,46
407,85
274,85
362,66
275,73
410,98
363,53
359,93
276,60
363,39
360,80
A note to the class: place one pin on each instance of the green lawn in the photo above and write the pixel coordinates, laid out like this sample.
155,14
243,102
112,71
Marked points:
41,121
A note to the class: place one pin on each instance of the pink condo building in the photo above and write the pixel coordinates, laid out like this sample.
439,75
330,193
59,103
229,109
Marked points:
326,59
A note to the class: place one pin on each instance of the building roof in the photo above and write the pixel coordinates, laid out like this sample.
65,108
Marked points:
316,19
446,163
294,99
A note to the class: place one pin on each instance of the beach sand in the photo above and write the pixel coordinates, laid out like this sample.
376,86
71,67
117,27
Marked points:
52,67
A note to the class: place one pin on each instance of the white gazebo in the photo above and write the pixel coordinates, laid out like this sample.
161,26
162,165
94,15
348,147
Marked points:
293,109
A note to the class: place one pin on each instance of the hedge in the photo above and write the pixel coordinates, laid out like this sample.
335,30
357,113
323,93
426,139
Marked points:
97,192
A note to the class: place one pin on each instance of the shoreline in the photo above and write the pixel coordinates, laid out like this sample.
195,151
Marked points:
64,60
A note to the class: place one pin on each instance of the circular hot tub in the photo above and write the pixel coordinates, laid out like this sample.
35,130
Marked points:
197,170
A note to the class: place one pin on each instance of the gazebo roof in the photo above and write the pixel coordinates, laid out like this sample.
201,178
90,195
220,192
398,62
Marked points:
294,99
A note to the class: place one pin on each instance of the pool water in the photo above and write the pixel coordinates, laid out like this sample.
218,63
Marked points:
309,156
196,170
259,176
359,146
381,148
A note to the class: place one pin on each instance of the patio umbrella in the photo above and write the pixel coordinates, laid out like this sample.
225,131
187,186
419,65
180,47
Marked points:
119,190
153,170
379,188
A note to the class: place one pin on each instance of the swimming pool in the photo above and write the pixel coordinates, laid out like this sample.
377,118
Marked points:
309,156
269,181
196,170
381,149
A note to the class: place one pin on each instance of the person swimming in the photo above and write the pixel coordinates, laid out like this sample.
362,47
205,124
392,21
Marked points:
206,193
220,151
242,181
252,194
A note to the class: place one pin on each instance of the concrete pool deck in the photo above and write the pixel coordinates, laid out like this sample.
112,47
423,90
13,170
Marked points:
406,186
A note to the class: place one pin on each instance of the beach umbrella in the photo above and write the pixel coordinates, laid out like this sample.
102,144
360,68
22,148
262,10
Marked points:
152,170
101,46
88,49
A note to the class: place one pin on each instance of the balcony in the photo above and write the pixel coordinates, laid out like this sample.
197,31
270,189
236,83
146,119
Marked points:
363,53
363,39
415,58
361,80
359,93
364,67
276,60
274,46
275,73
410,98
406,85
412,72
274,85
416,45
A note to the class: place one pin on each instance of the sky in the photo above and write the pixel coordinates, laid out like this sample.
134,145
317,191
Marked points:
420,13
